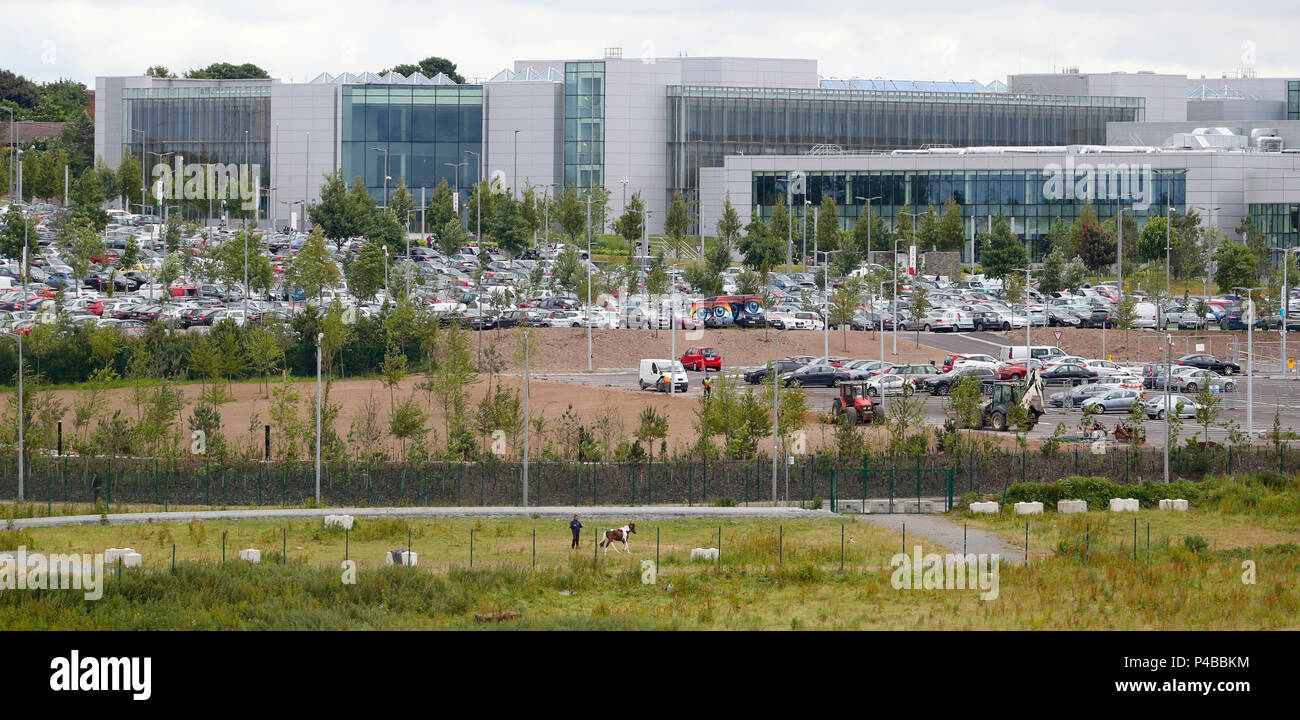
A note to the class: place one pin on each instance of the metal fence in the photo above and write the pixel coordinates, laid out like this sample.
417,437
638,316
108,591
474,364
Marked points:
895,484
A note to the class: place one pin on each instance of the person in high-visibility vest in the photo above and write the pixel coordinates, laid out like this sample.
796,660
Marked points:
708,387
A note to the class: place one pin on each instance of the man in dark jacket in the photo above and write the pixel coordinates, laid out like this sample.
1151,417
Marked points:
97,487
576,528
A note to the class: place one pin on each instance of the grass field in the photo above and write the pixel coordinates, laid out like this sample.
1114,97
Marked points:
1181,588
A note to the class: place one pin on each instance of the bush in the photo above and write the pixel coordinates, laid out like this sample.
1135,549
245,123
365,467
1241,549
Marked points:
1098,492
1196,544
725,502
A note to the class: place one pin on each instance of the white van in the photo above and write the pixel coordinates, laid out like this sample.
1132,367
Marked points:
652,370
1145,315
1011,353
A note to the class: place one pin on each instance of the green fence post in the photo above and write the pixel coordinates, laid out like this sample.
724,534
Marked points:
284,545
1076,461
1026,543
1024,473
1148,543
173,558
207,482
1229,459
480,484
717,561
690,481
963,540
841,548
108,493
891,490
780,545
656,548
223,547
904,537
834,495
65,479
575,485
704,482
1135,538
471,548
155,481
593,484
534,548
650,476
918,483
1087,541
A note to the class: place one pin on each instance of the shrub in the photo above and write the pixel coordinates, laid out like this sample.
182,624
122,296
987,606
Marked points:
1196,544
725,502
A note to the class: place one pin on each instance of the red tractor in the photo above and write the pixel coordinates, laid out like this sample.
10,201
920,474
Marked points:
853,398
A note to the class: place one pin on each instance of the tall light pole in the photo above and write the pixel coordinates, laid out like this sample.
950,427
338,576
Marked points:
588,311
894,310
514,184
1025,299
1169,409
160,156
143,184
387,295
803,255
1283,302
776,404
867,200
248,165
385,152
21,418
478,193
1250,359
1169,209
527,337
306,176
826,303
1209,249
320,339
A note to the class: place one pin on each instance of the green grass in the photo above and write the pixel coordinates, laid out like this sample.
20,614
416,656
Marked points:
1181,588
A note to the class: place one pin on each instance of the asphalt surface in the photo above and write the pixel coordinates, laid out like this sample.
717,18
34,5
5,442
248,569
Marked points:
1271,394
949,534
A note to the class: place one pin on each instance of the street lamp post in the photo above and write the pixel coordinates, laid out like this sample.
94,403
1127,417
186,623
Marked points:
826,303
306,176
478,192
1209,249
588,311
776,404
1169,409
1250,359
1025,299
385,152
803,254
527,337
386,293
867,200
1283,303
320,339
514,183
914,217
1169,209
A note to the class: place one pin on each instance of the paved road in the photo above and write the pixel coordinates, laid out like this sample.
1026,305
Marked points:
949,534
557,511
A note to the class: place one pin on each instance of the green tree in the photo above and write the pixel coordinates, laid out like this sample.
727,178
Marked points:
629,225
479,209
402,204
332,215
778,226
451,237
677,222
1053,267
385,230
927,230
1002,250
729,226
759,249
828,225
571,215
1151,243
159,71
1058,237
951,233
1074,273
441,208
1095,246
362,209
312,269
365,274
1237,265
129,178
844,304
18,230
507,225
918,307
227,71
429,67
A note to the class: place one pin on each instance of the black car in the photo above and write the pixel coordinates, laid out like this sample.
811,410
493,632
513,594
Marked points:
759,375
1099,317
942,384
816,375
1068,371
1209,362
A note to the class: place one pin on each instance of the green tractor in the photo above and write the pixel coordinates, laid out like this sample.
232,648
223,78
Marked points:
1028,395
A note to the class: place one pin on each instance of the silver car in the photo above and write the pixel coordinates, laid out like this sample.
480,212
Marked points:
1185,407
1191,380
1113,401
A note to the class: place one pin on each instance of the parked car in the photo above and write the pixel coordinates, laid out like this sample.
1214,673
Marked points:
1209,362
1157,406
758,375
702,359
1192,379
889,385
942,383
815,376
1113,401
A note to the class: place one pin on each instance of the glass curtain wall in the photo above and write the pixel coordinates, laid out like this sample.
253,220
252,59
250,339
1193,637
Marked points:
981,194
1279,221
709,123
1293,99
584,125
418,130
203,125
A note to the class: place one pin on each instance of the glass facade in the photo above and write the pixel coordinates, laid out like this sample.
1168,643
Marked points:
1279,221
200,124
584,124
417,133
1293,99
708,123
1018,194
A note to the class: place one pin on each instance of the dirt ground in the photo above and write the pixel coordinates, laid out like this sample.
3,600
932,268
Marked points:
563,349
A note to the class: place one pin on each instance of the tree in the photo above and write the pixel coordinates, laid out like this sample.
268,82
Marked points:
1255,239
965,403
570,214
748,282
402,204
332,215
441,208
1210,406
779,228
652,426
77,139
678,221
1074,273
451,236
869,233
1094,245
479,208
1013,288
129,178
828,225
1053,265
312,269
844,304
159,71
1003,251
729,227
927,230
1237,267
629,225
362,209
1151,243
229,259
507,225
227,71
18,90
1058,238
17,231
919,306
385,230
951,232
759,249
429,67
365,274
903,226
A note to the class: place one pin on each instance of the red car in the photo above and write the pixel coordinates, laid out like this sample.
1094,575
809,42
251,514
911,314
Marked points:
1017,369
948,360
702,359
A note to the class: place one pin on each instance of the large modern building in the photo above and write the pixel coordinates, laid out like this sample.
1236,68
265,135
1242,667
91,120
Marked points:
710,127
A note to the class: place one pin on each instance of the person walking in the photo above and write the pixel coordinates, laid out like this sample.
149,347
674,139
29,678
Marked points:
96,487
576,528
708,387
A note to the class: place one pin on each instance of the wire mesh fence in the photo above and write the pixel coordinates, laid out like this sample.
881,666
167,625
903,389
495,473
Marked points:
904,484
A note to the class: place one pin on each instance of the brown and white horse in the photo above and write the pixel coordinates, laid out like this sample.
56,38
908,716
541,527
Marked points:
618,535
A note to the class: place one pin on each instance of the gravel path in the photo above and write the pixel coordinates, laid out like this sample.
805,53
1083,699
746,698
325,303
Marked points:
559,511
949,534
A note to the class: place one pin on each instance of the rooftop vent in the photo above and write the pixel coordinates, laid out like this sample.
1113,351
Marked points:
615,53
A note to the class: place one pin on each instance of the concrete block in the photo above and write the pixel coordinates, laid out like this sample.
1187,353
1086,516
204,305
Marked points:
709,554
1178,505
112,554
252,555
132,560
343,521
980,508
409,557
1124,505
877,506
1029,508
1070,507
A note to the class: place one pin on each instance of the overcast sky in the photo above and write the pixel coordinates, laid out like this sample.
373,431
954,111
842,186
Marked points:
932,40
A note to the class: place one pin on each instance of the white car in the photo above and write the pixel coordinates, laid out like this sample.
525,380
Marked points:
968,361
889,385
1106,368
